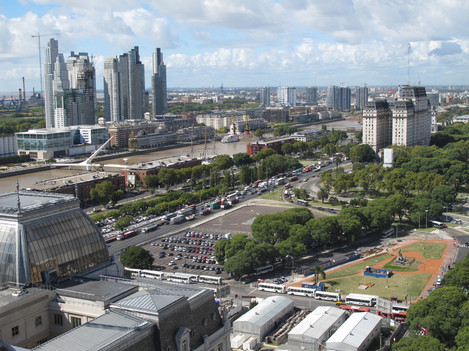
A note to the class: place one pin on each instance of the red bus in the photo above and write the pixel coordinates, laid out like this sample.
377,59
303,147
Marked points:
110,239
354,308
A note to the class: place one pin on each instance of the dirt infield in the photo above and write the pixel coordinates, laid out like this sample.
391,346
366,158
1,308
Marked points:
433,266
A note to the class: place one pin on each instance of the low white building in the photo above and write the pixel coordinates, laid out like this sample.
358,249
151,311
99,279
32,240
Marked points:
263,318
356,334
316,328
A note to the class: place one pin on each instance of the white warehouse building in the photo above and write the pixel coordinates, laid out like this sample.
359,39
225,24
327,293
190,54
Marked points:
316,328
262,319
356,334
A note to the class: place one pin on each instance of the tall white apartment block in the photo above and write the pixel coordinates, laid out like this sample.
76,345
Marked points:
111,90
286,96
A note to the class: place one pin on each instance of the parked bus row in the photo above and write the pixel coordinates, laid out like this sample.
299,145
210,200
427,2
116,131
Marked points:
299,291
184,278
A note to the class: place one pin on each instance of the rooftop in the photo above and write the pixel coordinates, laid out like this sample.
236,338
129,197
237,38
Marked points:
266,310
98,291
31,201
101,333
318,322
355,329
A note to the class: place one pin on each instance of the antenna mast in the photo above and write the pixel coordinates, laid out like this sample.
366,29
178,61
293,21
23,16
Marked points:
408,64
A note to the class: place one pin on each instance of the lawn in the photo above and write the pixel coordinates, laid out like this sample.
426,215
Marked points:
398,285
427,249
274,195
358,267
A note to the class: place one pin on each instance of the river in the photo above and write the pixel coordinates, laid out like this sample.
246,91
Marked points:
8,184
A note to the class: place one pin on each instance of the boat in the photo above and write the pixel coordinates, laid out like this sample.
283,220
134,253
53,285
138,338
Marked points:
230,138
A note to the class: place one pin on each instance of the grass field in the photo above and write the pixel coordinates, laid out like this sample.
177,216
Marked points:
427,249
398,285
413,267
358,267
274,195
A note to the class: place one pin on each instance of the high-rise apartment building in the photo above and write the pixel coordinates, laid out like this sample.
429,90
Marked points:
338,98
158,85
286,96
404,121
311,95
265,96
70,88
124,86
361,97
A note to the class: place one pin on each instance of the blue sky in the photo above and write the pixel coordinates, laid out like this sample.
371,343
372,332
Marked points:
248,42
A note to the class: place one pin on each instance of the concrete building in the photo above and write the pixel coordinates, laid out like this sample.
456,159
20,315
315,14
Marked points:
46,238
8,146
158,85
338,98
70,88
307,135
263,318
276,144
318,326
361,97
403,121
276,115
311,95
265,96
124,87
46,143
356,334
286,96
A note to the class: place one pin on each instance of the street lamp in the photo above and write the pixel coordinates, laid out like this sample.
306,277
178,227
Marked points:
426,219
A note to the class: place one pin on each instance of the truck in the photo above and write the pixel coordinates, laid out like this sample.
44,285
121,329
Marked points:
215,204
178,219
205,211
126,235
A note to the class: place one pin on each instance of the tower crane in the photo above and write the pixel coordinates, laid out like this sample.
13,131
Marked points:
38,36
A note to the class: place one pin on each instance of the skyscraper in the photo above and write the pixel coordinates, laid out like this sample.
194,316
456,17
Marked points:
265,96
124,86
158,85
70,89
286,96
361,97
311,95
338,98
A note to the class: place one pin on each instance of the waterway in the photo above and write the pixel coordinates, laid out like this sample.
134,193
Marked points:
8,184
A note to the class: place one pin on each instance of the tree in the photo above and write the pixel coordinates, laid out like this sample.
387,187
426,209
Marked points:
167,176
151,181
322,194
136,257
258,133
238,265
362,153
421,343
318,271
116,196
241,159
223,162
123,222
461,339
102,192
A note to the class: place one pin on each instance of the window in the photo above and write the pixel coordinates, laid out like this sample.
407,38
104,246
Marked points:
58,319
15,330
38,321
76,321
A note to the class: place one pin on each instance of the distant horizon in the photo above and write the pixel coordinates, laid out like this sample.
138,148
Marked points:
246,43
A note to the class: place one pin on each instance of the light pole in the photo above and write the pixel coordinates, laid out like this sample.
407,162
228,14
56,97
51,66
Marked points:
426,219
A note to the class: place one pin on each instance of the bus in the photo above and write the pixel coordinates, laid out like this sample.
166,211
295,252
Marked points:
299,291
149,228
354,308
134,272
328,296
302,202
397,307
152,274
182,278
277,288
264,269
437,224
210,280
187,210
360,300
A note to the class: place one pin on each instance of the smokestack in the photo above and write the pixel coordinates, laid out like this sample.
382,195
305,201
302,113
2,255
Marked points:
24,91
20,94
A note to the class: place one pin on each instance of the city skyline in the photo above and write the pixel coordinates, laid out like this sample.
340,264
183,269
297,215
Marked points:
266,43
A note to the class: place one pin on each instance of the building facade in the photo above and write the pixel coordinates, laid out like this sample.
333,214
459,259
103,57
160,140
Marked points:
311,95
264,96
158,85
124,87
286,96
361,97
403,121
338,98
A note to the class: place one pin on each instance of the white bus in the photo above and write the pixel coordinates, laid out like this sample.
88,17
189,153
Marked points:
399,308
134,272
299,291
277,288
182,278
360,300
264,269
152,274
210,280
150,228
328,296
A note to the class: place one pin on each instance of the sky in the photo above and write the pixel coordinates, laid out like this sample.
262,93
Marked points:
247,43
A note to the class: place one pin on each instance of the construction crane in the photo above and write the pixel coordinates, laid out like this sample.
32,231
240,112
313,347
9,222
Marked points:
38,36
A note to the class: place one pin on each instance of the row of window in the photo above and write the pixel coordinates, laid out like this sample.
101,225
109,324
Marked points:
16,329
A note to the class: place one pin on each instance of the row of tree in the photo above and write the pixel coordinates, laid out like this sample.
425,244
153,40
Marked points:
444,315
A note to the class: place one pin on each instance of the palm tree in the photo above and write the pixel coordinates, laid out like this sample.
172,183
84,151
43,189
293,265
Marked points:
322,194
318,271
